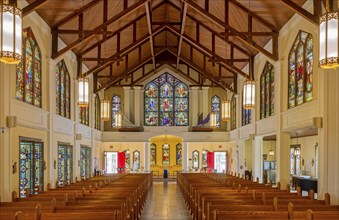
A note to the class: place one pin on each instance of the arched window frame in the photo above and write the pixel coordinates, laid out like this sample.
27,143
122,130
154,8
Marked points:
267,91
28,78
116,107
63,99
215,107
233,113
97,122
303,41
178,101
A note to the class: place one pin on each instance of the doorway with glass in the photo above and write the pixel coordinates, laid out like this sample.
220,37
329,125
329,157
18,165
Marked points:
111,162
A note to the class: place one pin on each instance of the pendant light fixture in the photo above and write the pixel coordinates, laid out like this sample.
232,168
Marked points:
226,109
118,119
10,32
329,35
249,89
213,120
83,82
104,109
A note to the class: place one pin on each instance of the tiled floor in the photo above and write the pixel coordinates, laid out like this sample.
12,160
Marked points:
165,202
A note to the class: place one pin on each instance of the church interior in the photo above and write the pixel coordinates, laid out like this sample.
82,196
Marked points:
156,99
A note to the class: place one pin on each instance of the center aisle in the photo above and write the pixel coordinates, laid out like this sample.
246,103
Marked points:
165,202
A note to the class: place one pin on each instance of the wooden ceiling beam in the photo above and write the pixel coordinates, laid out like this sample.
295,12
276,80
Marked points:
302,12
75,14
202,72
182,30
242,37
207,51
259,34
87,36
149,25
64,31
32,7
122,52
128,72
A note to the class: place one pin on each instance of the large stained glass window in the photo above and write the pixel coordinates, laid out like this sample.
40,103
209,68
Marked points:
31,168
216,108
166,102
116,107
28,73
233,113
97,122
65,164
267,91
84,115
63,90
246,115
300,63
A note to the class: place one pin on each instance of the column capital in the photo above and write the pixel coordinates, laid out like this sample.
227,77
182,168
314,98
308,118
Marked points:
126,87
194,87
205,87
137,87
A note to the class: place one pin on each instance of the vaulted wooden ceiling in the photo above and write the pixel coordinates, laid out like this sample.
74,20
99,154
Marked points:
217,38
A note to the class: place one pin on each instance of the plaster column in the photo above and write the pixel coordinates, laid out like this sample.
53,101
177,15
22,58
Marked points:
204,100
137,105
185,157
283,158
257,146
147,164
52,110
195,105
127,92
6,160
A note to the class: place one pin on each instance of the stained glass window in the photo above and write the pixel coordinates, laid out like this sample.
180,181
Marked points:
31,168
179,154
65,164
28,72
300,62
204,158
63,90
116,107
128,159
165,154
136,160
84,115
195,159
166,102
216,109
85,162
295,160
153,154
246,116
233,113
97,122
267,91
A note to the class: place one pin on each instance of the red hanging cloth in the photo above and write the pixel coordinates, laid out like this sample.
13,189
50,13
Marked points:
121,160
210,161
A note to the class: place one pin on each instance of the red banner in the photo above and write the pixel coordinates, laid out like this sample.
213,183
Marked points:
210,161
121,160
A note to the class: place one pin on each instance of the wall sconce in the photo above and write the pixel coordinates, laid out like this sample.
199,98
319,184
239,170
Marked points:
14,167
54,164
312,162
78,163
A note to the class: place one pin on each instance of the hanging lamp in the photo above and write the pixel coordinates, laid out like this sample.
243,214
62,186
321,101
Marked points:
104,109
329,37
271,152
249,89
226,109
10,32
213,120
118,119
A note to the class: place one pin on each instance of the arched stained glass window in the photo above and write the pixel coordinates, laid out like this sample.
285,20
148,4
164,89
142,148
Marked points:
300,64
233,113
28,73
178,154
97,122
166,102
153,154
246,115
84,115
216,108
116,107
267,91
63,90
